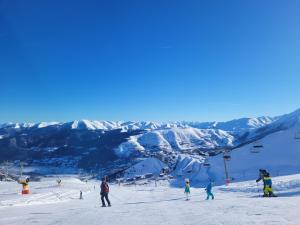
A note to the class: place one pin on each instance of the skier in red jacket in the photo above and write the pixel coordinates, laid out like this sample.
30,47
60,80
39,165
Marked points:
104,192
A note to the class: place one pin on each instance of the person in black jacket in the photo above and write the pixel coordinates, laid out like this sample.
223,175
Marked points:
262,174
104,192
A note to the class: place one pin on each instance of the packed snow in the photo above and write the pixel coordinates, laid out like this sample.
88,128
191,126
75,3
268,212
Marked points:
238,203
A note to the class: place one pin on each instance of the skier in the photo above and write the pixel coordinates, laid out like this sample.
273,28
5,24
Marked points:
208,190
25,186
104,192
268,191
265,177
262,174
58,180
187,189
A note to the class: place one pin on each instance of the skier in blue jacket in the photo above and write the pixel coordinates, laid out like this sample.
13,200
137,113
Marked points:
187,190
208,190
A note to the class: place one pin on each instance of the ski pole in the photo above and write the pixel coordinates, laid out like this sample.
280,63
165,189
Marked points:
258,189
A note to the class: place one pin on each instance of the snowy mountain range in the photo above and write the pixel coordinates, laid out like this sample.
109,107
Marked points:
233,125
115,146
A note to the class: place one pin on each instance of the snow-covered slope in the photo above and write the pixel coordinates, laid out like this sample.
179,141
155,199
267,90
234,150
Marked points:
149,204
280,155
237,125
46,191
94,125
177,139
149,165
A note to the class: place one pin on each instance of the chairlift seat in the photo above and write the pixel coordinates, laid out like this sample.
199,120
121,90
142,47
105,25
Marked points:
258,146
297,135
206,164
255,150
227,157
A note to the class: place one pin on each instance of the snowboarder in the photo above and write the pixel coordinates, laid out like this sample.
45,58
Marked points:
208,190
187,189
104,192
262,174
268,191
265,177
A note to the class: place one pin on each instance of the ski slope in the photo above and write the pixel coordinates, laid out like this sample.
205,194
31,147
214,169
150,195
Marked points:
280,155
236,204
44,192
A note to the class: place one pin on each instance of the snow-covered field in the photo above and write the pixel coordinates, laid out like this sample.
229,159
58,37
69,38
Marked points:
236,204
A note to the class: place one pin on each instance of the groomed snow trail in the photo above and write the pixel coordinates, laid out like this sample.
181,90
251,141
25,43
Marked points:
237,204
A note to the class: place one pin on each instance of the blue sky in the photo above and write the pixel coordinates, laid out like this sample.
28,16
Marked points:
148,60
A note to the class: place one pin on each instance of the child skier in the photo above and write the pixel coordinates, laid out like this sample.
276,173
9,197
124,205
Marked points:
25,186
262,174
268,191
265,177
187,189
208,190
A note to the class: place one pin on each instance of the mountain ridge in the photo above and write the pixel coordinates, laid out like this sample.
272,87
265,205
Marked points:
93,144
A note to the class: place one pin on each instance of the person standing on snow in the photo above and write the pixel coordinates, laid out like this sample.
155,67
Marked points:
268,191
265,177
262,174
187,189
104,192
208,190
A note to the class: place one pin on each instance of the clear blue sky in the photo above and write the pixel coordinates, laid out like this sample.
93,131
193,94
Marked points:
159,60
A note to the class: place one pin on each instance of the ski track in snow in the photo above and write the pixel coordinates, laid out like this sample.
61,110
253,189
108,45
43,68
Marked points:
236,204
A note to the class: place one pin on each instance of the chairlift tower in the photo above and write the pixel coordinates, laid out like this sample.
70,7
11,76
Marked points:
22,164
226,158
206,163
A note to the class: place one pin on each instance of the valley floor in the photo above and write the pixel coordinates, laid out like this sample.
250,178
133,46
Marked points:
239,203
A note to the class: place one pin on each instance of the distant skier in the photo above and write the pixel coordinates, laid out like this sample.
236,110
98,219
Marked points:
208,190
58,180
187,190
104,192
25,186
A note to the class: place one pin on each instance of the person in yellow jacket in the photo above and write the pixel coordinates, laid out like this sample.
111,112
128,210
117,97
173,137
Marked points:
268,191
25,186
